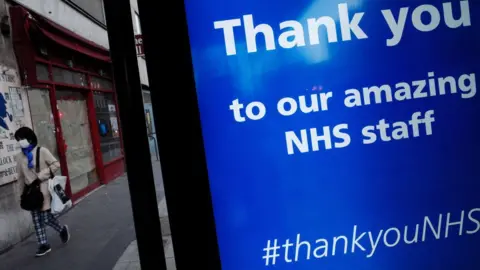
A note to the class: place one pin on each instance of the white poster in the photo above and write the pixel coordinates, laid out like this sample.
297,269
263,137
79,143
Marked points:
114,124
14,113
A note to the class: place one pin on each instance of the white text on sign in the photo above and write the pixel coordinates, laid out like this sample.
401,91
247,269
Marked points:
291,34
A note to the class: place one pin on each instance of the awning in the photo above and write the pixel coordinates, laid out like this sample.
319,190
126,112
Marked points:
74,46
49,24
35,23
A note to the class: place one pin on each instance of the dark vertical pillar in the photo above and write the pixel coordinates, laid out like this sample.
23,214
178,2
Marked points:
179,136
132,120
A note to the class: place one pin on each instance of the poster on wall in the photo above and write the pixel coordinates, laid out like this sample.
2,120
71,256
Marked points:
14,113
114,125
341,134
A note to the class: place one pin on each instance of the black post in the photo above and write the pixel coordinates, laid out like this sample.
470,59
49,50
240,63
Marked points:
179,135
132,119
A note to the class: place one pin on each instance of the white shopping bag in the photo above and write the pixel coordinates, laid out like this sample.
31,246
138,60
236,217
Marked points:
56,187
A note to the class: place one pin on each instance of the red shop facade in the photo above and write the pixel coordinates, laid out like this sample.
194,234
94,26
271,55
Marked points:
72,100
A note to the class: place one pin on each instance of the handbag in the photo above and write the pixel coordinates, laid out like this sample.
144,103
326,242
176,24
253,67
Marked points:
32,197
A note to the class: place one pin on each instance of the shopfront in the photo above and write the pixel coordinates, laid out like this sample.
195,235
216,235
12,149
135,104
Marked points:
72,100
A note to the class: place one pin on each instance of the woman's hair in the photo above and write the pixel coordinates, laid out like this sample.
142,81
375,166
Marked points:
28,134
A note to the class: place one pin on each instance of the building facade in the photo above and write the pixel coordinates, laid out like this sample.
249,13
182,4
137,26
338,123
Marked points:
56,77
142,67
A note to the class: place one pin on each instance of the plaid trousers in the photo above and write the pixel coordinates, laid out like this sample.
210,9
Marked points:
40,220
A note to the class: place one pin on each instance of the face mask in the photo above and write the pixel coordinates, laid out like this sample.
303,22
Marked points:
24,143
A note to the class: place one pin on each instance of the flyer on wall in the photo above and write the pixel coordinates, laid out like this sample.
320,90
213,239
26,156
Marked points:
341,134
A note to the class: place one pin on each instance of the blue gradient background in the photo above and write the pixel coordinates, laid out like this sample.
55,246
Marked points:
260,192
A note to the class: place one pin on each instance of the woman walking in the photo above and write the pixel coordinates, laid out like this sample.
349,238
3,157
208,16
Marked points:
29,174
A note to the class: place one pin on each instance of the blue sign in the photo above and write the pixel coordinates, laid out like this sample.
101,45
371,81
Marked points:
341,134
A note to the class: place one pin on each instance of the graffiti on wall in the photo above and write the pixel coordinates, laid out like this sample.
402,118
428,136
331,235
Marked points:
14,113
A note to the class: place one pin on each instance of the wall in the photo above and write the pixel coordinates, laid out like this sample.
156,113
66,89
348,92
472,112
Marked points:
15,224
6,44
142,68
14,113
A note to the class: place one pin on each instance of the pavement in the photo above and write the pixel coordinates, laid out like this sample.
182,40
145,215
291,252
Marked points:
102,231
130,261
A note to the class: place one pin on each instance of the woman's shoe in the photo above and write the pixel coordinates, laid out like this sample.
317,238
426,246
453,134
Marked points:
43,250
65,234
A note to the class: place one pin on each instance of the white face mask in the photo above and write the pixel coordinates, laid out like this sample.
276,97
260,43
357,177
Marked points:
23,143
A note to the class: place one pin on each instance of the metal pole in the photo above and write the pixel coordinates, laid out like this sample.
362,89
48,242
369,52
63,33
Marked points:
137,151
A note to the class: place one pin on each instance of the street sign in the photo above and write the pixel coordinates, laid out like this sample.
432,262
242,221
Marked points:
340,134
139,45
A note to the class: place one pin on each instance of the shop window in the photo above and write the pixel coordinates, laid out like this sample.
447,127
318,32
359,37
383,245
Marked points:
108,127
99,83
61,75
42,119
73,113
42,72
